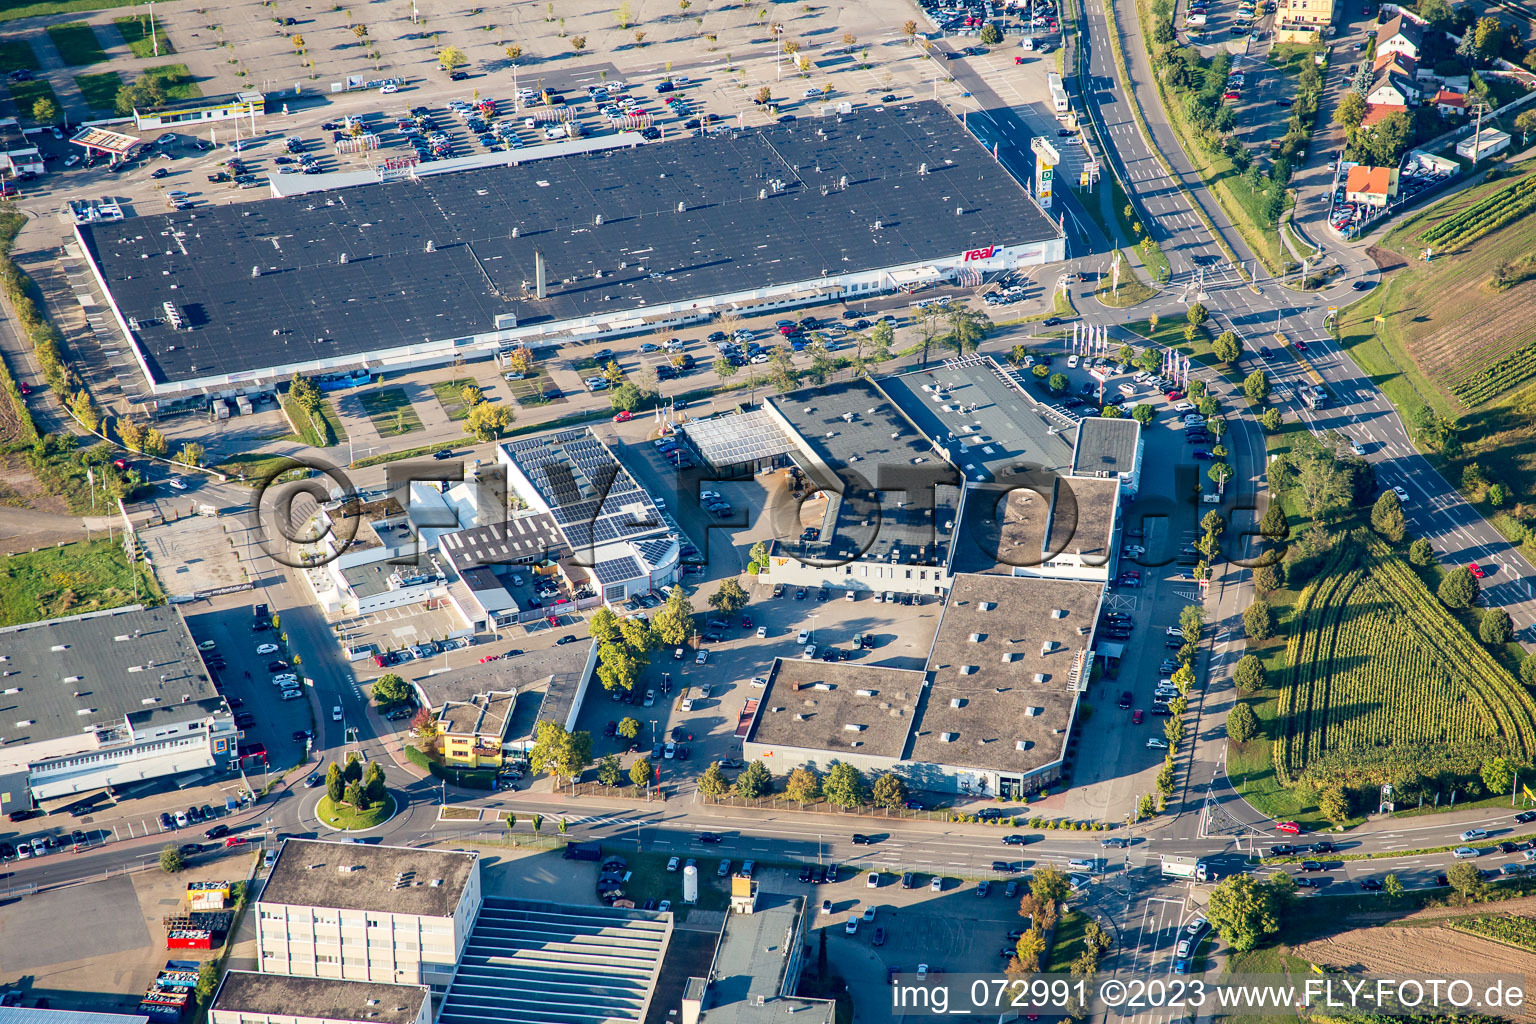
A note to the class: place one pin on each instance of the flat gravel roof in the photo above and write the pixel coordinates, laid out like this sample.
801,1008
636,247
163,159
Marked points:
330,276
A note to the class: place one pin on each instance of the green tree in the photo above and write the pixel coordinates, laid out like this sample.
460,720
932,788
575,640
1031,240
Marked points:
1259,621
155,443
617,668
1387,517
46,111
759,554
609,772
1049,886
1028,949
1249,674
556,752
192,454
1271,421
471,395
713,782
629,727
1225,346
1256,386
537,821
803,786
1191,621
207,981
1058,382
673,623
1242,909
374,787
147,91
561,826
641,772
1495,627
1421,552
1274,524
889,790
355,796
171,860
487,421
1242,724
389,688
1498,494
352,770
335,785
603,626
451,57
1465,878
723,367
1143,413
1111,412
881,337
1458,589
1197,314
1267,577
991,35
1490,37
1498,774
729,599
1333,803
626,397
753,782
844,786
1350,111
1392,886
1528,670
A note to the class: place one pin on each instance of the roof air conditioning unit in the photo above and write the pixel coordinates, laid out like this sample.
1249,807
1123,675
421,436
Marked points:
1009,656
959,210
1033,712
865,693
799,718
821,686
966,670
987,606
682,207
948,737
1058,613
1047,646
975,638
1040,677
956,702
854,727
1022,745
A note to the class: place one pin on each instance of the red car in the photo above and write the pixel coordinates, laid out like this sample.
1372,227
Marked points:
1301,346
490,657
622,417
1018,60
1136,717
1288,826
1476,570
235,841
119,464
1174,396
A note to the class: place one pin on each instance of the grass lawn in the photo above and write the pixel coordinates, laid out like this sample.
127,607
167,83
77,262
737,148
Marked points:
253,466
447,392
61,474
15,54
26,95
652,880
391,412
83,577
77,44
100,90
10,10
1067,944
321,431
1132,290
344,817
135,30
177,81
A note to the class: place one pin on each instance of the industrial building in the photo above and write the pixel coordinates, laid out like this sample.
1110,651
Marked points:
988,715
757,965
367,913
1110,449
1063,527
107,699
246,997
428,269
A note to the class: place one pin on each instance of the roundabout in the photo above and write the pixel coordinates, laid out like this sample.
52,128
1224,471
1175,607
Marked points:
341,817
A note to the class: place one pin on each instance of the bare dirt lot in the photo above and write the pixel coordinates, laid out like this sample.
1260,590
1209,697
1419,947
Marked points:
1406,951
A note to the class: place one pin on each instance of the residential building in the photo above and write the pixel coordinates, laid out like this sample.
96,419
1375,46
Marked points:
1302,21
1450,104
367,913
1375,113
107,699
1391,85
1373,186
1400,35
246,997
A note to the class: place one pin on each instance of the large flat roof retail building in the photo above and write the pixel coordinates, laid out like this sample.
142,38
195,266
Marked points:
424,270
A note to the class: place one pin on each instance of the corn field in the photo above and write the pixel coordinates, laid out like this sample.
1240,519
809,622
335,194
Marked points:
1374,662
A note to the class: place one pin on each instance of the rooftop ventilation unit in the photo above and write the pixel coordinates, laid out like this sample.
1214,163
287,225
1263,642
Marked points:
821,686
1033,712
1047,646
1058,613
948,737
1022,744
854,727
1040,677
966,670
865,693
956,702
975,638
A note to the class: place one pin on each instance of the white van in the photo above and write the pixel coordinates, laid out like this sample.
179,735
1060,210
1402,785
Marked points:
1027,43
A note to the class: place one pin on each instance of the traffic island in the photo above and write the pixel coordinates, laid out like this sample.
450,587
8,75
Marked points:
343,817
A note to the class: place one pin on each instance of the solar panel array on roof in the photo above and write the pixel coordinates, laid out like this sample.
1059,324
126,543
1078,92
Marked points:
617,570
734,440
593,499
328,277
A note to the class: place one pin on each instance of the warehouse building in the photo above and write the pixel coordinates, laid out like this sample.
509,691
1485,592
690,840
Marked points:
245,997
1110,449
430,269
106,699
757,966
1060,528
989,714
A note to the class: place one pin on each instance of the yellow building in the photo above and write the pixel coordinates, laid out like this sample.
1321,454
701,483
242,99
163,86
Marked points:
1302,21
472,731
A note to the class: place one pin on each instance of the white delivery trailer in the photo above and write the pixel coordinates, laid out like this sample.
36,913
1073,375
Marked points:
1192,868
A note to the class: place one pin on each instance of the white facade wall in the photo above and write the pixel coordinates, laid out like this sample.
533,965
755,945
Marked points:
372,945
234,1016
